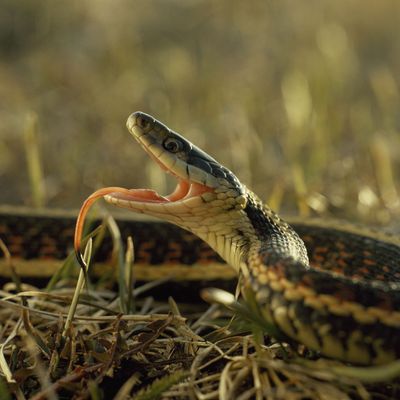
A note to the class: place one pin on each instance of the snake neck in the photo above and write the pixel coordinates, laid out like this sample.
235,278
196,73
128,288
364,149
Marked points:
273,237
246,229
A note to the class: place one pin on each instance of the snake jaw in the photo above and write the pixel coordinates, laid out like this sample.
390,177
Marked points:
149,201
141,200
183,191
197,173
204,186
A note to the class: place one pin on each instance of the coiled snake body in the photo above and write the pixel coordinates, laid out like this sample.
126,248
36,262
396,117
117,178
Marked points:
346,311
335,289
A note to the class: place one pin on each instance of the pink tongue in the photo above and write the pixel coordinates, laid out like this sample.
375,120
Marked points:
140,194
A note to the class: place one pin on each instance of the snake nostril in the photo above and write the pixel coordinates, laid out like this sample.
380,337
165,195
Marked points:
142,122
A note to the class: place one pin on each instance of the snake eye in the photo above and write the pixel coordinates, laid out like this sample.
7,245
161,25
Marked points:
172,145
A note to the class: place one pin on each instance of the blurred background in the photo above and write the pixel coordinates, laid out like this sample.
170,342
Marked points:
300,99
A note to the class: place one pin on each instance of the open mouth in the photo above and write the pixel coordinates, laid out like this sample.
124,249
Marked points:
183,191
186,195
137,199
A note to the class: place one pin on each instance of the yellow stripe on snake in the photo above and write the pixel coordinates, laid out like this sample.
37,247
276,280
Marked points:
334,288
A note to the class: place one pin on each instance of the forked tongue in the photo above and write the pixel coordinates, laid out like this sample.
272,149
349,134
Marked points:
129,194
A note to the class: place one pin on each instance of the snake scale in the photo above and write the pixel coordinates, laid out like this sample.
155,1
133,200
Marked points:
334,288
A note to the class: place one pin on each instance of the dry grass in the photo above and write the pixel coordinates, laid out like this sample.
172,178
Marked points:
159,351
300,99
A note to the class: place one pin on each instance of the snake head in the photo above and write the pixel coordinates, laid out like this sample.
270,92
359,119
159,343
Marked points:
201,179
179,156
208,200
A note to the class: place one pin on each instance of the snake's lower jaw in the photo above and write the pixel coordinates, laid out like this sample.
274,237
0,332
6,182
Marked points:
174,207
137,195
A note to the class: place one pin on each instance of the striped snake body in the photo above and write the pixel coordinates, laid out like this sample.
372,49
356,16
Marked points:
334,288
347,310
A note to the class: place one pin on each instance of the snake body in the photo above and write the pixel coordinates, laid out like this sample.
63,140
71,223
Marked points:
346,310
334,288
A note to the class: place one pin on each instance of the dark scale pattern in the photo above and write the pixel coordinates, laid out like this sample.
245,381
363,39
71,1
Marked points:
367,293
344,265
275,235
29,237
33,237
327,247
340,326
350,254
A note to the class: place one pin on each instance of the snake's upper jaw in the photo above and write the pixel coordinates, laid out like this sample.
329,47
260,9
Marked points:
177,155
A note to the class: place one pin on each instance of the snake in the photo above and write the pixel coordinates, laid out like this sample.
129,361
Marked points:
333,287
